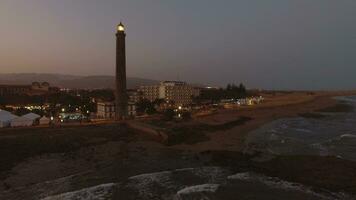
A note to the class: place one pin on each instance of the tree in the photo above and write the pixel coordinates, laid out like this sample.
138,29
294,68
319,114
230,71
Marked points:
158,102
169,114
151,110
186,115
21,111
145,106
38,112
242,89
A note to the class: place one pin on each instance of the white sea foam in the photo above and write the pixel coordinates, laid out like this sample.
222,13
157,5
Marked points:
151,176
143,182
303,130
347,98
198,188
348,136
99,192
241,176
165,179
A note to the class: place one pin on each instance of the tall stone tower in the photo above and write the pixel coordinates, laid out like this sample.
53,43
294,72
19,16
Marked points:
121,98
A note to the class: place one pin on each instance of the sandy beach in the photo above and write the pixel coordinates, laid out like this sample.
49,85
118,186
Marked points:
280,105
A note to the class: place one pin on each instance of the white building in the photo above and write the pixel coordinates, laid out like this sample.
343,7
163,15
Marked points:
106,110
34,117
44,120
21,122
5,118
180,93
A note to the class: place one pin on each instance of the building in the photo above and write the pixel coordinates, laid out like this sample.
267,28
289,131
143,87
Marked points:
178,92
35,88
149,92
134,95
21,122
5,118
106,110
121,98
14,89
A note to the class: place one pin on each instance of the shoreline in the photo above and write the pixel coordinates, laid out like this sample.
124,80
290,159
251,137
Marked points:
92,155
262,114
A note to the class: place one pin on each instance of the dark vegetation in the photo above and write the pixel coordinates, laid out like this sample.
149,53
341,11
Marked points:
191,134
146,106
215,95
169,114
17,146
69,100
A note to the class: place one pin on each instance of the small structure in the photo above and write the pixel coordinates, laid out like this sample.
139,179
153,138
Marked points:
44,121
5,118
21,122
71,117
131,107
32,116
106,110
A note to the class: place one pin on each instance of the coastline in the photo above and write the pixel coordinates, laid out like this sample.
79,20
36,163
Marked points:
72,158
284,106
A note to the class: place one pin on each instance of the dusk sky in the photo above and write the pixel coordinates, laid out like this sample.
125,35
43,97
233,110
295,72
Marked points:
275,44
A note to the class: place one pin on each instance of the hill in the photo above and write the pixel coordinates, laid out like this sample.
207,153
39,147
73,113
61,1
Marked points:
72,81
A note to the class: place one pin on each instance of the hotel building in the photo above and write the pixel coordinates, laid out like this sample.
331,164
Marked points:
177,92
35,88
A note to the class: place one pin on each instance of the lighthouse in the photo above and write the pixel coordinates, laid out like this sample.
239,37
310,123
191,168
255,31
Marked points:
121,110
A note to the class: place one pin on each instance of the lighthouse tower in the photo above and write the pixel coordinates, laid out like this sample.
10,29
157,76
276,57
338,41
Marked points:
121,110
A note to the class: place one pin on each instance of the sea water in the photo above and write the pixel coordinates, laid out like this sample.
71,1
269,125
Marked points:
332,135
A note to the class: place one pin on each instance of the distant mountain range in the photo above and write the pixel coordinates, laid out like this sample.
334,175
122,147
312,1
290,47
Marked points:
72,81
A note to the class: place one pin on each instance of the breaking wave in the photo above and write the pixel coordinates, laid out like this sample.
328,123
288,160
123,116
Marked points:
197,189
99,192
348,136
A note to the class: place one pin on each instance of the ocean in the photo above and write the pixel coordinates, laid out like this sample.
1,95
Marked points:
331,135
